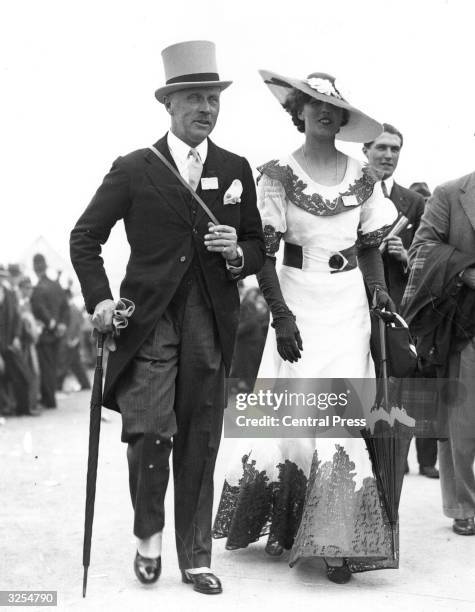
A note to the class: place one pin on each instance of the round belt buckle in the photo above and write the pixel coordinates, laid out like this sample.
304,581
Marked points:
337,262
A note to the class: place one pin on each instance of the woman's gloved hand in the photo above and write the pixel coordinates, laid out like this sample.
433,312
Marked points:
382,299
289,341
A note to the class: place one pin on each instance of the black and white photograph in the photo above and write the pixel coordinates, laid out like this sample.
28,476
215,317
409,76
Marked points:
237,305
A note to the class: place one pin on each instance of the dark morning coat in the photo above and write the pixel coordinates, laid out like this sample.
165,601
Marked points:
411,205
163,239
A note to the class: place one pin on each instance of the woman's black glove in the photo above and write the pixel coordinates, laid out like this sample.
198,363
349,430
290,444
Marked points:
371,265
289,342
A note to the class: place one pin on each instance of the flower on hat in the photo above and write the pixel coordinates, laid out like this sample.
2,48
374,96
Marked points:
323,86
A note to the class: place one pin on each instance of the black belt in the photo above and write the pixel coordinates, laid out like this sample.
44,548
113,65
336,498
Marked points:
340,261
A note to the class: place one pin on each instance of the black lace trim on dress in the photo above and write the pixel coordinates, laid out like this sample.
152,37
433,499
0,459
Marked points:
256,507
244,510
294,187
372,239
272,239
288,504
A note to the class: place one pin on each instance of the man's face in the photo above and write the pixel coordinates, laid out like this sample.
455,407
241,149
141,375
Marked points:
193,113
383,154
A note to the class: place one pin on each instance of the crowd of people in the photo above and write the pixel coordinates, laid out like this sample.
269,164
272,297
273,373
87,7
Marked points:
45,341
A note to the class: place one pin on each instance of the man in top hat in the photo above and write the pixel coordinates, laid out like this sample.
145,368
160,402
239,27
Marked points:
166,376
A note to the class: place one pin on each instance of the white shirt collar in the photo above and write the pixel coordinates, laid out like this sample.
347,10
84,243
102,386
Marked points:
180,150
389,182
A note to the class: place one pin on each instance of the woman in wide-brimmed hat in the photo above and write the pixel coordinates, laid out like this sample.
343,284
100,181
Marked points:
328,208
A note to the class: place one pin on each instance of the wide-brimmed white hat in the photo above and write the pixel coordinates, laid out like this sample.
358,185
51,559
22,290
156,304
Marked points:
319,85
190,64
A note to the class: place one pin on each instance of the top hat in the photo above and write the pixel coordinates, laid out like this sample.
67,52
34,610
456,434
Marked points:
190,64
319,85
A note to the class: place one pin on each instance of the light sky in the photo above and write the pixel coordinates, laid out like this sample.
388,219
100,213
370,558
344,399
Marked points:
78,81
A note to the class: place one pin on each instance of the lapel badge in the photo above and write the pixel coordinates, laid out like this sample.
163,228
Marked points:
210,182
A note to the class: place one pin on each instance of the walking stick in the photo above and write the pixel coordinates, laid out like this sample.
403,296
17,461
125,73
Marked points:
124,309
94,432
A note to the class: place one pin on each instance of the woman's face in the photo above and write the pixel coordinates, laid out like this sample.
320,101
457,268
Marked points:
321,118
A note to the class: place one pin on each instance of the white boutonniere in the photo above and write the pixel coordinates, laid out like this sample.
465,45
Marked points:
233,194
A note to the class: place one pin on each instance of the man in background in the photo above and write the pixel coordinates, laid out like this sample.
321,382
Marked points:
383,155
49,305
440,307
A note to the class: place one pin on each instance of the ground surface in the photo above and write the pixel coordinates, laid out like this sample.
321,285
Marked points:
42,487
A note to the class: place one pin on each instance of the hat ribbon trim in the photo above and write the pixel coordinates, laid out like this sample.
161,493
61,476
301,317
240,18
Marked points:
194,78
279,82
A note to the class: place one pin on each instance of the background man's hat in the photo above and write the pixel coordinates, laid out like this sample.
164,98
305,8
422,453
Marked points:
319,85
190,64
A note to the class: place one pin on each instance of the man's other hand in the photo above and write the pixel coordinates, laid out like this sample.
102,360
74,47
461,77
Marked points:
396,249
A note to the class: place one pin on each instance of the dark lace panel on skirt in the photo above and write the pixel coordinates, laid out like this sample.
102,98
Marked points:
256,506
287,503
294,187
272,239
340,520
372,239
244,510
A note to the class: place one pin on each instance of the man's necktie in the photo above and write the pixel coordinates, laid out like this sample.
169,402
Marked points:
385,189
195,168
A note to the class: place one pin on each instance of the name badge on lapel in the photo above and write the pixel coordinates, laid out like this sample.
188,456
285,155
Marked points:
210,182
349,200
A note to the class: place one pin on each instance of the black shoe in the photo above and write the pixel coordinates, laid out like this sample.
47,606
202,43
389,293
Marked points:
206,583
147,570
430,472
340,574
464,526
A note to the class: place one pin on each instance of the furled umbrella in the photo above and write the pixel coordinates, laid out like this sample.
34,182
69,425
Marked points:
124,309
388,434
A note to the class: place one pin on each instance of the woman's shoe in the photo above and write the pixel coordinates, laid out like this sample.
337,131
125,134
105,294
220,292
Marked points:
147,570
340,574
273,548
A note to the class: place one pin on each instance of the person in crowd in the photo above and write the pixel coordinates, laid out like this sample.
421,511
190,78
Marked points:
31,331
327,209
421,188
251,335
69,351
439,304
426,445
167,375
50,306
383,155
14,382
